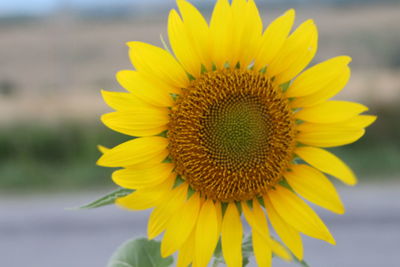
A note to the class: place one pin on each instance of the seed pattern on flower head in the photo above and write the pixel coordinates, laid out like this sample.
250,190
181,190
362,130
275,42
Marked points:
231,134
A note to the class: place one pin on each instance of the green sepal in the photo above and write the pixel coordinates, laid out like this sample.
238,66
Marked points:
167,160
163,134
190,76
190,192
300,262
107,199
251,66
260,200
285,86
178,181
174,96
138,253
285,184
203,69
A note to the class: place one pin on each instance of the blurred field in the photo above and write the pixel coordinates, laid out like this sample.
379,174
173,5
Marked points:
51,71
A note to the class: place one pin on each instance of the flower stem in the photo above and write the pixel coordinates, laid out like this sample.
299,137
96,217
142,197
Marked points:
215,263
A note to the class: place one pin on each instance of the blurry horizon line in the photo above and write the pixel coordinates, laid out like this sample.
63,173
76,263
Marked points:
45,8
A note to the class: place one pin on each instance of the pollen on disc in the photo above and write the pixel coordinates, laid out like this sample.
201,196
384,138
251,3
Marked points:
231,134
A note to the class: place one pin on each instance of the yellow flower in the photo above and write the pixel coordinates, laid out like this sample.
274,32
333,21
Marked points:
221,133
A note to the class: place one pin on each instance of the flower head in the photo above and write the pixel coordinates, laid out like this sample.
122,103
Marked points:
229,125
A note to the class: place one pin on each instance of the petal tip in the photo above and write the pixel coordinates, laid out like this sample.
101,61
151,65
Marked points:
331,240
102,149
132,44
373,118
347,59
341,210
291,12
173,14
101,162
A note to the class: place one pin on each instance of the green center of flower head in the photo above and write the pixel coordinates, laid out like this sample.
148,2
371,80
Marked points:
231,134
236,129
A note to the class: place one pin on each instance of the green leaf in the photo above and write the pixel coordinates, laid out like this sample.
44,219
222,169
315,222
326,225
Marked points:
107,199
218,259
139,253
247,250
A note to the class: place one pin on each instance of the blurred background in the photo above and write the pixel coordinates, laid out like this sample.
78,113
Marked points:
56,55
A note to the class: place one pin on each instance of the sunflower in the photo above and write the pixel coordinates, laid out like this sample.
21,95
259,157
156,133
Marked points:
229,124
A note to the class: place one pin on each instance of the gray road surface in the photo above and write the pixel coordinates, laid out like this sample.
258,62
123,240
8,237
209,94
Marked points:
36,231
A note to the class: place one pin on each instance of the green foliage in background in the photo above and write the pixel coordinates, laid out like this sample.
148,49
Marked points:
139,252
63,156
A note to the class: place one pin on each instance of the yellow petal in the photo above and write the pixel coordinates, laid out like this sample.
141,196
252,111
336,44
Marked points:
138,122
102,149
159,158
232,234
356,123
239,10
298,214
361,121
218,209
180,226
261,240
324,93
327,138
262,250
221,28
158,63
258,223
149,90
198,31
186,252
273,38
147,197
280,250
122,101
256,218
162,214
297,51
182,45
331,112
135,178
133,151
304,57
206,233
327,162
290,237
318,77
314,186
247,30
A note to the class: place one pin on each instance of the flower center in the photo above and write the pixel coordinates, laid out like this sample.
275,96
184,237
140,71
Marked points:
231,134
